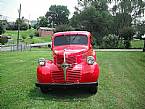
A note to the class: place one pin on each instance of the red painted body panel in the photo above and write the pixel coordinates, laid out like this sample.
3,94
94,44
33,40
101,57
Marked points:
76,55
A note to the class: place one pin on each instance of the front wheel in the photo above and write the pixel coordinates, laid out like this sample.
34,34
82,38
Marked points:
93,90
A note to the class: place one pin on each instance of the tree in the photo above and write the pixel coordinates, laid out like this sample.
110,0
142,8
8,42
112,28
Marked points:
95,18
120,21
57,15
64,27
23,25
12,26
127,34
133,7
126,12
2,26
140,29
99,4
42,22
2,30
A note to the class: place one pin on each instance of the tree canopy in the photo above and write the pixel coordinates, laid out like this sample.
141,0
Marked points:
42,22
99,18
94,18
107,19
2,27
57,15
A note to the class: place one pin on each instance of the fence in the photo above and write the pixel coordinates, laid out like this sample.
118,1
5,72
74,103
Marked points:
14,47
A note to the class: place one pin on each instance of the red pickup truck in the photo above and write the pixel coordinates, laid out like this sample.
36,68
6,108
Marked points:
73,65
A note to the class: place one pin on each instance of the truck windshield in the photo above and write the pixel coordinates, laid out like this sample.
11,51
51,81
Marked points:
71,40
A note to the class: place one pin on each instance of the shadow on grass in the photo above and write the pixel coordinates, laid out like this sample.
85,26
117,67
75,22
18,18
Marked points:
60,95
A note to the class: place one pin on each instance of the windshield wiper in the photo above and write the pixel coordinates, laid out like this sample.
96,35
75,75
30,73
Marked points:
73,38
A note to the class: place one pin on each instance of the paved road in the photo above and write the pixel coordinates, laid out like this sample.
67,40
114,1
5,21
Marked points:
40,44
118,49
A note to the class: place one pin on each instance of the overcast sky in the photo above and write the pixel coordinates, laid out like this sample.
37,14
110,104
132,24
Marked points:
32,9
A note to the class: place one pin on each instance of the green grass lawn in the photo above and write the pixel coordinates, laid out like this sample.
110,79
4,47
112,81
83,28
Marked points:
137,44
121,83
26,34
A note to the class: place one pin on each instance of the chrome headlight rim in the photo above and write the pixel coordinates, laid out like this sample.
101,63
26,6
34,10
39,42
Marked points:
41,61
90,60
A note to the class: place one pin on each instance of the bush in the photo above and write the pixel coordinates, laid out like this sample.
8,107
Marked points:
23,37
121,43
31,36
3,39
23,26
127,43
14,26
36,33
110,41
32,41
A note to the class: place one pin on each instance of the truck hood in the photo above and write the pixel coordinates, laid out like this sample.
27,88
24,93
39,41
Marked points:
70,49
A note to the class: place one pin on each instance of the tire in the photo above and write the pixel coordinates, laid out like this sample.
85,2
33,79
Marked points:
93,90
44,90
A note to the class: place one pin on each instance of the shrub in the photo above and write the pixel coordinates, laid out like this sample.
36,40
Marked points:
32,41
14,26
121,43
31,36
110,41
23,26
23,36
36,33
127,43
3,39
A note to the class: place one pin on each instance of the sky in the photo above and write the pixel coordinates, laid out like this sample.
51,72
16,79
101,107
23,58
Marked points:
32,9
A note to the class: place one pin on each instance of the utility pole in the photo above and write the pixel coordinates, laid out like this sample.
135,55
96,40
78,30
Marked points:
19,11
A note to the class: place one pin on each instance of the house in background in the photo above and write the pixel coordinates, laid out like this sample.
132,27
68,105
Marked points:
45,31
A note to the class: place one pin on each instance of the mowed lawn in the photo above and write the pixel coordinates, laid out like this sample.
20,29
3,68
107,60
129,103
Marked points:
27,34
121,83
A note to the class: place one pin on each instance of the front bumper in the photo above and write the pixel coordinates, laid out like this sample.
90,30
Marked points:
67,85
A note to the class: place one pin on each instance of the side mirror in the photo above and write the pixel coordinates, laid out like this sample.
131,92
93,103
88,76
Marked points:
49,46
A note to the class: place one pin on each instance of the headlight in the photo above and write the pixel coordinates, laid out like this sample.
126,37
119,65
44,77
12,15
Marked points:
41,61
90,60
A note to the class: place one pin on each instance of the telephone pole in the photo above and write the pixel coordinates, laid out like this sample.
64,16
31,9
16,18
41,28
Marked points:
19,11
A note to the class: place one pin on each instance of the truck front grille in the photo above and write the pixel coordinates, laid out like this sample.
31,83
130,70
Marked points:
58,76
72,76
69,59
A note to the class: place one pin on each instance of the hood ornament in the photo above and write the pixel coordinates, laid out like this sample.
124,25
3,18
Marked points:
65,65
